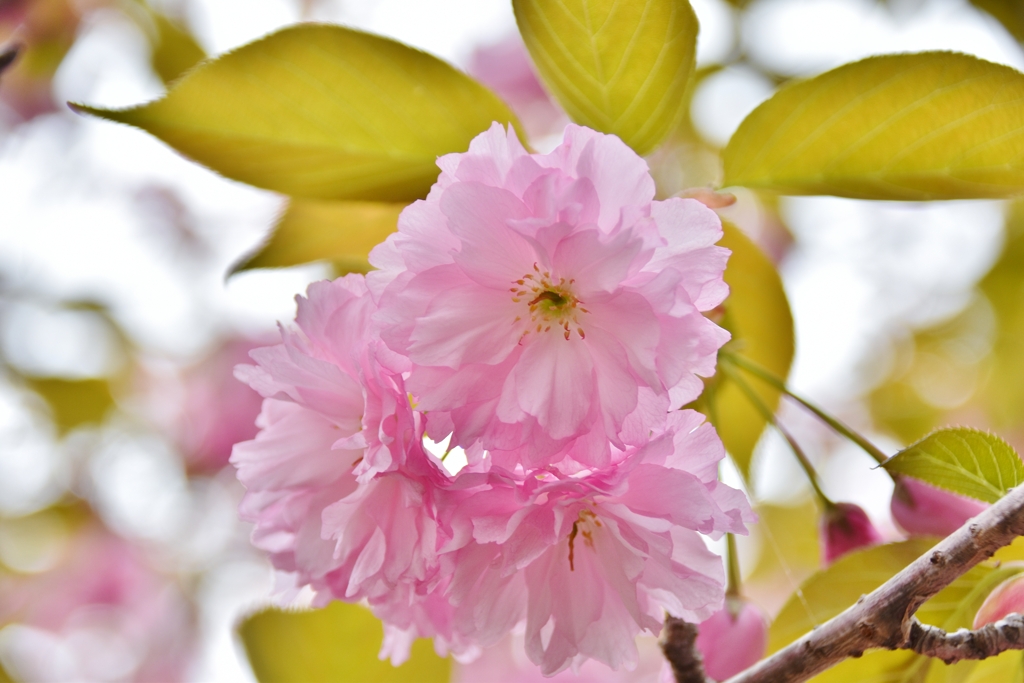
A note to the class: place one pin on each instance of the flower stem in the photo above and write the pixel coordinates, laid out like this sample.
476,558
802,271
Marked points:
766,376
769,416
732,590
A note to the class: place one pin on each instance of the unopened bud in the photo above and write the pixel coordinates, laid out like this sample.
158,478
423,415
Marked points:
846,527
1006,598
925,510
732,639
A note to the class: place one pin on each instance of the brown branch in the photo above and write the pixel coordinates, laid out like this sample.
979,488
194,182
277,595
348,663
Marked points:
987,641
678,642
884,618
7,56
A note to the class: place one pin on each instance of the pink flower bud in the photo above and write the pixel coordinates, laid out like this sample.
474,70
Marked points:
732,639
1007,598
844,528
925,510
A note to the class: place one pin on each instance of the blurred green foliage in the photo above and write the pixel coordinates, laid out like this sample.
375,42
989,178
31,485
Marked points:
342,233
758,316
970,367
336,644
74,402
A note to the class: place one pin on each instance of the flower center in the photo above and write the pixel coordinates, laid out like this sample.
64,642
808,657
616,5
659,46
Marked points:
550,303
584,526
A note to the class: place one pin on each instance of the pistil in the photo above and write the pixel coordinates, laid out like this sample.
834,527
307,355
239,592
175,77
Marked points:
550,303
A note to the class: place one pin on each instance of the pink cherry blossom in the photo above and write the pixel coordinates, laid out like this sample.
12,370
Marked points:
922,509
322,479
218,411
549,308
591,561
844,528
506,663
732,639
331,365
105,591
544,313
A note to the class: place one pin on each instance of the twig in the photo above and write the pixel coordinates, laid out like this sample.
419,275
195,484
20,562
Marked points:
837,425
7,56
678,643
884,618
987,641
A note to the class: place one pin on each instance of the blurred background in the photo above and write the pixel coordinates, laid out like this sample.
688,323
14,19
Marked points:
121,557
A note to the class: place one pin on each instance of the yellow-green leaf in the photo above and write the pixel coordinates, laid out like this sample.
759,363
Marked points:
338,643
340,232
876,666
175,51
835,588
962,460
951,609
1009,13
74,402
322,112
1007,667
933,125
1003,392
758,316
832,590
617,67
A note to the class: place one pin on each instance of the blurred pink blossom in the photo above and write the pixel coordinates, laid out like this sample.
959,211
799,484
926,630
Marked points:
732,639
549,307
922,509
844,528
506,68
103,590
217,410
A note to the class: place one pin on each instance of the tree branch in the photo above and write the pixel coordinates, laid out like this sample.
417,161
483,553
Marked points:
883,619
678,642
7,56
987,641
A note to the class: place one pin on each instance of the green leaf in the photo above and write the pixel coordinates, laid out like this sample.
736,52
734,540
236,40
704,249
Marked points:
934,125
788,540
337,643
962,460
175,51
322,112
74,402
1007,667
1003,393
876,666
758,316
340,232
1009,13
834,589
617,67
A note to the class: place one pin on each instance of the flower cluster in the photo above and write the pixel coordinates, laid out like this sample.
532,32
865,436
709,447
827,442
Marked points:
543,314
